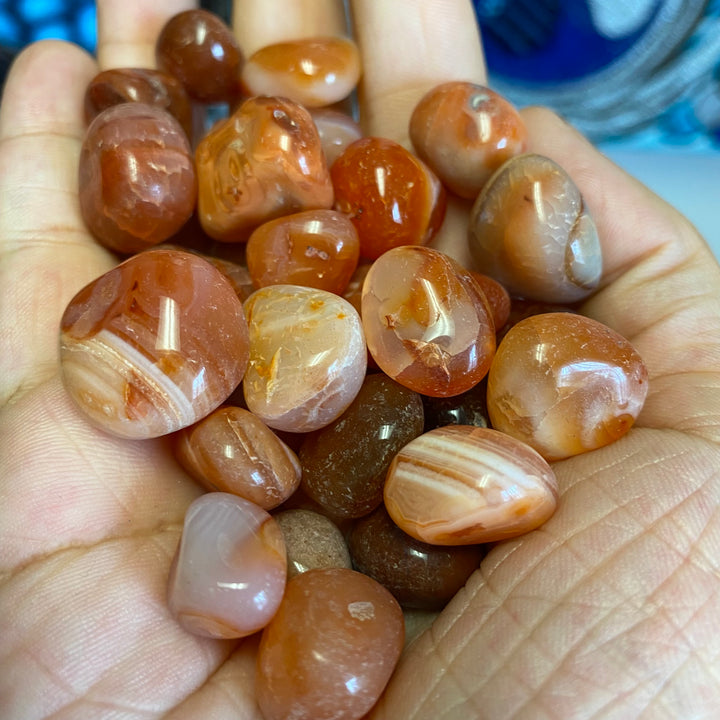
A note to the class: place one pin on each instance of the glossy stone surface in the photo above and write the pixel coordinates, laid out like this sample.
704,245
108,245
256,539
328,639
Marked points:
391,196
462,485
307,356
426,322
152,87
228,576
233,451
200,50
315,248
497,296
312,541
531,231
468,408
565,384
313,72
344,464
266,160
465,132
153,345
136,177
337,130
330,649
419,575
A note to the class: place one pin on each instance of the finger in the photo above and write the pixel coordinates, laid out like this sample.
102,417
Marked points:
128,30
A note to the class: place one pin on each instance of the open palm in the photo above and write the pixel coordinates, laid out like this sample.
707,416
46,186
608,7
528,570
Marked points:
609,610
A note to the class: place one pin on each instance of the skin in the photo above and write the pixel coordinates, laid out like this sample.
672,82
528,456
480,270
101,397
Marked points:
609,610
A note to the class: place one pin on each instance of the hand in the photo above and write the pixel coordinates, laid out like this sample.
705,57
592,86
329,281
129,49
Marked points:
609,610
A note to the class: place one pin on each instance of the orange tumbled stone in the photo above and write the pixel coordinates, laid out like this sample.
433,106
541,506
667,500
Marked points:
330,649
337,130
427,324
465,132
314,71
315,248
391,196
462,485
264,161
497,297
565,384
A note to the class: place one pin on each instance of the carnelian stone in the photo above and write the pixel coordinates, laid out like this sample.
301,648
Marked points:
136,177
152,87
565,384
391,196
497,296
154,344
465,132
315,248
264,161
200,50
331,648
531,231
427,323
314,71
337,130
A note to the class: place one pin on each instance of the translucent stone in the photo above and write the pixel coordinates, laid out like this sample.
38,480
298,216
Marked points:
418,574
337,130
233,451
531,231
465,132
312,541
331,648
426,321
313,72
391,196
344,464
565,384
307,356
154,344
462,485
136,177
315,248
264,161
229,573
497,296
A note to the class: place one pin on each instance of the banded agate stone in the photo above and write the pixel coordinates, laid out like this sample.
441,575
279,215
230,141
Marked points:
229,572
463,485
331,648
427,323
530,230
154,344
307,357
565,384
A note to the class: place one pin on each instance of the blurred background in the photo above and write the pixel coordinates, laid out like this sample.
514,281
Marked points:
641,78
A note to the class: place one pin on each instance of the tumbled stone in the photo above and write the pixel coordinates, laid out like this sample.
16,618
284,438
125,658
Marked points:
497,296
330,649
154,344
463,485
565,384
337,130
468,408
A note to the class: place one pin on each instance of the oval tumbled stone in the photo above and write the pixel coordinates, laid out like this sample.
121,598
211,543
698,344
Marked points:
461,484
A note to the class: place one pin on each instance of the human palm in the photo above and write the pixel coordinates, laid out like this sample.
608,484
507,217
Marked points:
609,610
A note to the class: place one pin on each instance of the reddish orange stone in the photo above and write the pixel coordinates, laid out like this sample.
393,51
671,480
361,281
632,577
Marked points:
391,196
497,296
337,130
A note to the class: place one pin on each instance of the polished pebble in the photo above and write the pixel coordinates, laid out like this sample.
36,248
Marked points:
232,450
307,357
497,296
468,408
312,541
418,574
264,161
463,485
313,72
136,177
154,344
229,573
530,230
330,649
565,384
465,132
426,322
344,464
315,248
337,130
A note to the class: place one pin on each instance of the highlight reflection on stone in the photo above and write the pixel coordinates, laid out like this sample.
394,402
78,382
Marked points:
463,485
154,344
229,573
